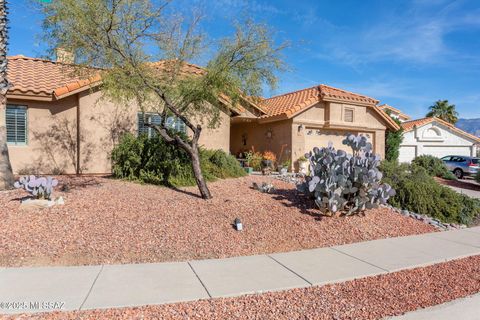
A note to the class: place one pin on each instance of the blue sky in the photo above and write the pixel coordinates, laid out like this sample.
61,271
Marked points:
404,53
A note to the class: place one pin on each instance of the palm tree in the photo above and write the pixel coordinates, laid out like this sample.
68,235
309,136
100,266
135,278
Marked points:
443,110
6,175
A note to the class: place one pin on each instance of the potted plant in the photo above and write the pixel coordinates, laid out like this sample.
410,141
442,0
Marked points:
302,165
283,168
268,160
248,161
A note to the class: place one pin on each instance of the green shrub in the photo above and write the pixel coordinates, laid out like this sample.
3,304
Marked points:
434,166
393,140
254,160
222,165
417,191
152,160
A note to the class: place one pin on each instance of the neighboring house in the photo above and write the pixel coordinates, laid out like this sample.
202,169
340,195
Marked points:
59,123
436,137
296,122
394,113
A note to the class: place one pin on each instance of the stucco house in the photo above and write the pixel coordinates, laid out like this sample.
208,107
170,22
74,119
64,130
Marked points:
59,123
436,137
296,122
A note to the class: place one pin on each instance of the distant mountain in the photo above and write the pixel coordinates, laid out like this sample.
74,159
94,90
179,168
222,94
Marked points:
469,125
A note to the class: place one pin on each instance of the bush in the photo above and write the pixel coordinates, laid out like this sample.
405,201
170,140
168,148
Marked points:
393,139
152,160
254,160
434,166
417,191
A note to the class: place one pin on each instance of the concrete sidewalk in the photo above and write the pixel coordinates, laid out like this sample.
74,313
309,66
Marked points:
461,309
109,286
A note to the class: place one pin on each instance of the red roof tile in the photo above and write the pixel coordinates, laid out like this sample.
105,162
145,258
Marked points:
293,102
32,76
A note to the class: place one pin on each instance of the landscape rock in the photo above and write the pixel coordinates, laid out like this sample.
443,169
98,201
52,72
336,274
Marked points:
30,203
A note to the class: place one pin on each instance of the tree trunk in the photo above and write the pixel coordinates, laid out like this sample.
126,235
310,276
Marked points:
197,170
6,175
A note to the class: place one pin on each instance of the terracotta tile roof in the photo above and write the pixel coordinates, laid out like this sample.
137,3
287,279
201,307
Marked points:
50,79
38,77
410,125
395,110
293,102
328,92
289,104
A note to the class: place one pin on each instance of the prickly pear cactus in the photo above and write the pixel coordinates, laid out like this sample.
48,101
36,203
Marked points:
349,183
40,188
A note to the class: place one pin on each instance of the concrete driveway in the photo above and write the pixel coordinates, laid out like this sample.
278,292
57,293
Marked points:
468,192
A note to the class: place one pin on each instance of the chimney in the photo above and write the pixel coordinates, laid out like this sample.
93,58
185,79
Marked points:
64,56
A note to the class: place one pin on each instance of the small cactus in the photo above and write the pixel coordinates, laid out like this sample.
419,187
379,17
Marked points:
40,188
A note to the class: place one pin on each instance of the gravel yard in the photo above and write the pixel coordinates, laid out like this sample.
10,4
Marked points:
106,221
368,298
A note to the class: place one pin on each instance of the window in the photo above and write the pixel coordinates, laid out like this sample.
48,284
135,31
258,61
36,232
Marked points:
154,118
348,115
16,121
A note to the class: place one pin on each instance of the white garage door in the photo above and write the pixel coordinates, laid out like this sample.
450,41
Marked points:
407,153
442,151
316,137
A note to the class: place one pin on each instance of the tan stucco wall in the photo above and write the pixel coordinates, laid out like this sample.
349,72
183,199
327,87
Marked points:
324,123
219,137
257,139
43,153
101,125
101,122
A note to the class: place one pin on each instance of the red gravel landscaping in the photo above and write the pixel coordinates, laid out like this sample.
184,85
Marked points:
368,298
107,221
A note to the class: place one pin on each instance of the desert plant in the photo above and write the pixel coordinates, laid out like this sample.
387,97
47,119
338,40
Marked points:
417,191
345,182
40,188
434,166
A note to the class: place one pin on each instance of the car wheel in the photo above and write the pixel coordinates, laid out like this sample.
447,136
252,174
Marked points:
458,173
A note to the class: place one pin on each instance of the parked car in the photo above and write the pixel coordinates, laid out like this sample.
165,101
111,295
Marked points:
462,165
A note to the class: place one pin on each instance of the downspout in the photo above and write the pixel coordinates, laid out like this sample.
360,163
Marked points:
77,167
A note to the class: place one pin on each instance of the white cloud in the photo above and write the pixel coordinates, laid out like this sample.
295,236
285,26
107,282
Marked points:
416,35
